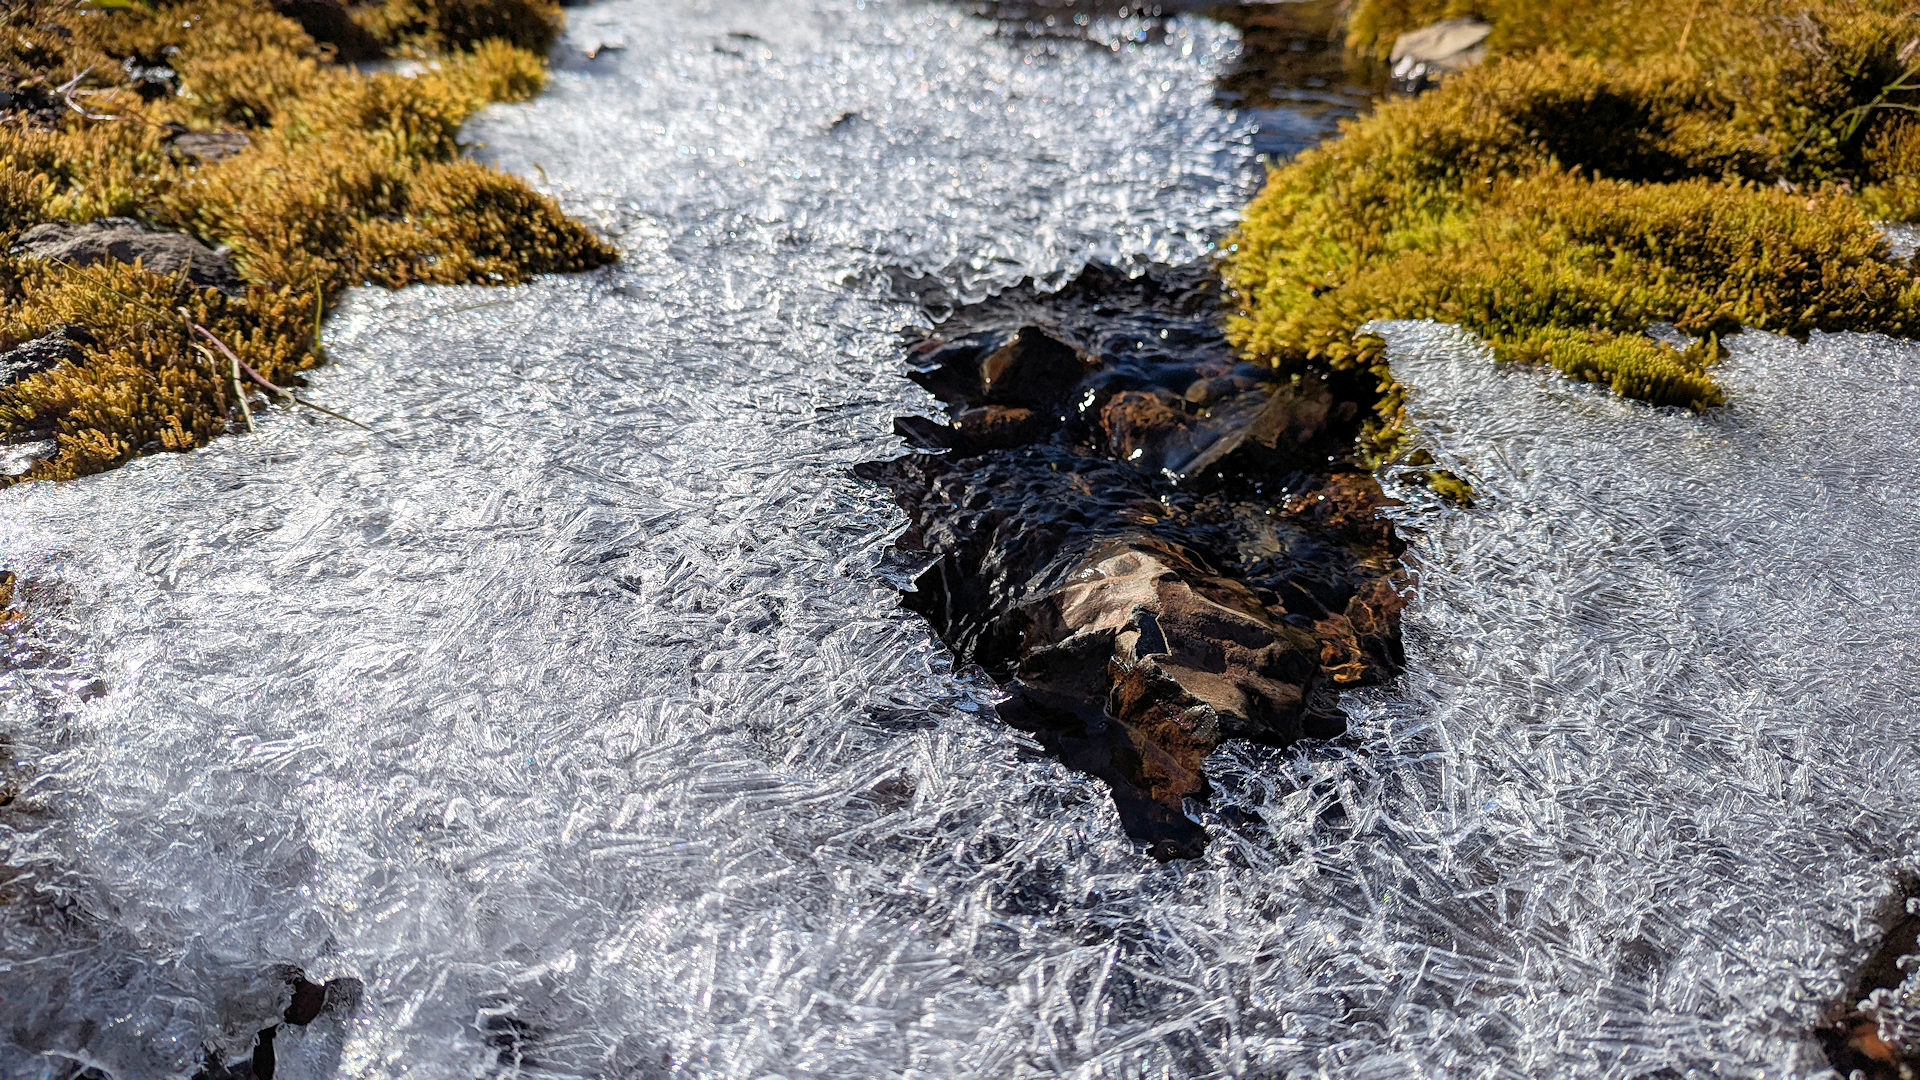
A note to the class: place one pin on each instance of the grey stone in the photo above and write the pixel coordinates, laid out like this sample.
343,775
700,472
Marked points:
207,147
46,351
126,240
1423,55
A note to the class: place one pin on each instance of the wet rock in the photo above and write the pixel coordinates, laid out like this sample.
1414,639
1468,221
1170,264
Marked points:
999,427
1421,57
1365,638
1141,538
1286,421
924,433
1187,437
1170,642
43,353
207,147
1206,391
1855,1049
1348,503
1003,527
1136,421
327,22
126,240
1035,369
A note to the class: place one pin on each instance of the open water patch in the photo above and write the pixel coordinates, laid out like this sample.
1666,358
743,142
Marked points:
1292,76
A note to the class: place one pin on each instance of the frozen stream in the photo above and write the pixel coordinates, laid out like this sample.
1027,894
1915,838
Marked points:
581,725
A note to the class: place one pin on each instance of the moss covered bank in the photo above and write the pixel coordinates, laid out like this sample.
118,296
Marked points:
240,123
1714,165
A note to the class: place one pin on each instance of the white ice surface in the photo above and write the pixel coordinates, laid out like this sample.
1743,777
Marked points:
585,711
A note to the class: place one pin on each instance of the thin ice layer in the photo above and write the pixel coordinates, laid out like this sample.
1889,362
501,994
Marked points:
579,722
576,716
1664,672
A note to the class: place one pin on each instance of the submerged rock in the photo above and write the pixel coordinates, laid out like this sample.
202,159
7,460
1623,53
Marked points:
993,427
1035,368
1871,1034
1171,641
126,240
1143,540
1138,420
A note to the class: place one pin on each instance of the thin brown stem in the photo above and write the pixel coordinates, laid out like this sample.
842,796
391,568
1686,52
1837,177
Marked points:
279,391
1686,31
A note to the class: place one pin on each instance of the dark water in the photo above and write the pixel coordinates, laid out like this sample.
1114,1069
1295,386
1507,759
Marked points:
1293,77
1122,418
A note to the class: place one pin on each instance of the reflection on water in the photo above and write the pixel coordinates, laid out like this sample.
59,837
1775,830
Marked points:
1293,77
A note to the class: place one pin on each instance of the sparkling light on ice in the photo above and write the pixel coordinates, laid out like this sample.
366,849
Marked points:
578,718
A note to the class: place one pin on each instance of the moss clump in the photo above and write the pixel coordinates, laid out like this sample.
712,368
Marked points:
346,177
1712,166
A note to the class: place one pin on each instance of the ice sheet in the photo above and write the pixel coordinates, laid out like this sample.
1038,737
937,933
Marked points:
580,721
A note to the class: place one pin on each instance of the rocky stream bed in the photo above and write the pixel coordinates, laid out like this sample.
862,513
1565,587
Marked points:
1154,547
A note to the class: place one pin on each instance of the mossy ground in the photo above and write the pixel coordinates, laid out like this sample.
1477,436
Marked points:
349,177
1714,165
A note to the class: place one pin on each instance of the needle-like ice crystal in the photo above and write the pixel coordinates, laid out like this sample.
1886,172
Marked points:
580,724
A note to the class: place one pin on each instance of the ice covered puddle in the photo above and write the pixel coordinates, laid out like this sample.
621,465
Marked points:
581,726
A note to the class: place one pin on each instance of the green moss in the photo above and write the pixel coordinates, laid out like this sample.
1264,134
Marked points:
1450,487
1623,163
348,178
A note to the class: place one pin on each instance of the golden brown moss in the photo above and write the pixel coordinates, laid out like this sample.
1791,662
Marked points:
347,177
1714,166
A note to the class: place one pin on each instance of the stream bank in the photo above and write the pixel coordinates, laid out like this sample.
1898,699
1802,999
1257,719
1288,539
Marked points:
185,190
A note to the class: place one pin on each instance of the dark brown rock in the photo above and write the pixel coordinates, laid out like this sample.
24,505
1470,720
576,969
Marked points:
1142,422
1348,503
1209,390
126,240
1171,637
1852,1036
1112,532
1034,369
1278,419
996,427
1174,659
42,353
1154,429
